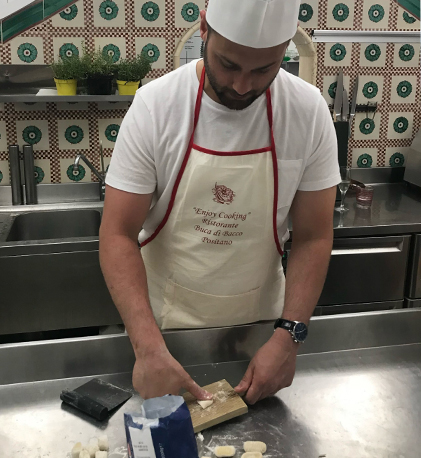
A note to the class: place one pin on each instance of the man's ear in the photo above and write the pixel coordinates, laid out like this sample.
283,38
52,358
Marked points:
203,26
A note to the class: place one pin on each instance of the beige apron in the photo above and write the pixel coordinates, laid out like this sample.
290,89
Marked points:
215,259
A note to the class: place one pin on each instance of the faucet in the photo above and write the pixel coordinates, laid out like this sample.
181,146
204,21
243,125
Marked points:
100,175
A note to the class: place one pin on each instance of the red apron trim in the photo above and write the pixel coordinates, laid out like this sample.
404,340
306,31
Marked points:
275,173
219,153
230,153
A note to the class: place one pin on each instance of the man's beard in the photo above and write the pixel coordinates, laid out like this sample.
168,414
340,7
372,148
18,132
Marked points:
226,95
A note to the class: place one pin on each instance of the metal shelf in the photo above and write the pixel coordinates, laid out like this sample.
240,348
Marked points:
365,36
31,98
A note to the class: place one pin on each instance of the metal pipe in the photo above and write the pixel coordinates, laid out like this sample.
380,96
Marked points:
30,186
15,177
89,164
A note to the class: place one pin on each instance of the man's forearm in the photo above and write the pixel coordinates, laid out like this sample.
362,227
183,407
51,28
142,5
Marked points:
306,274
125,275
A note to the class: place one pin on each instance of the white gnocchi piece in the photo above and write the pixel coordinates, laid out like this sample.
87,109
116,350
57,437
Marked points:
84,454
255,446
91,449
225,451
205,404
103,443
252,455
77,448
101,454
205,457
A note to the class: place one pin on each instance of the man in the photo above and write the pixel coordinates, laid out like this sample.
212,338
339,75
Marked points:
210,161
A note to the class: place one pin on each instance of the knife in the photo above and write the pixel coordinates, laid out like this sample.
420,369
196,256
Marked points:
353,103
337,107
345,106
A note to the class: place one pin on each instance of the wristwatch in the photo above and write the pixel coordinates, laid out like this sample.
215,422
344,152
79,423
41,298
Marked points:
297,329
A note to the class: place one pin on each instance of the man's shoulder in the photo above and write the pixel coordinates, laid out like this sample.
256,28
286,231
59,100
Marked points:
293,90
169,90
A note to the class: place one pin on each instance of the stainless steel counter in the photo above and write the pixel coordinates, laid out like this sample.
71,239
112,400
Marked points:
346,400
396,209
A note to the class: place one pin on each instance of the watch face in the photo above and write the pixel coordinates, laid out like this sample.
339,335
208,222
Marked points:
300,332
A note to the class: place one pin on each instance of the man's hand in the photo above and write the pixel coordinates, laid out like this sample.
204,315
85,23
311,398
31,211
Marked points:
157,373
271,369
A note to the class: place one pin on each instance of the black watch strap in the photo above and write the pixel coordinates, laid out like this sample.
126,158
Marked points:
297,329
284,324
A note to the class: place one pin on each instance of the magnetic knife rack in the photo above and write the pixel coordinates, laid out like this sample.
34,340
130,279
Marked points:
361,108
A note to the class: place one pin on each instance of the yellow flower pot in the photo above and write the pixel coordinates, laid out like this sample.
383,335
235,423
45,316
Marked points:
127,87
66,87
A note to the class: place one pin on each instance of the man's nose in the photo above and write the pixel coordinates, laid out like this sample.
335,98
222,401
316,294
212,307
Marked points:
242,84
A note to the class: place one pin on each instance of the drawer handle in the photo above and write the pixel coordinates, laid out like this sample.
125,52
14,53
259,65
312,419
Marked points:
374,250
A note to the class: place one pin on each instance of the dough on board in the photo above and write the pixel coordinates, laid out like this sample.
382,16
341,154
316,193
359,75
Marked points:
227,450
103,443
77,448
205,404
101,454
255,446
91,449
252,455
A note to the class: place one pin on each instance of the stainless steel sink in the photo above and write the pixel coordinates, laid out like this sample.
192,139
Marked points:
55,225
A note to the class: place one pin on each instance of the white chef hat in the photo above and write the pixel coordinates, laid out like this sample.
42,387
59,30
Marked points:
254,23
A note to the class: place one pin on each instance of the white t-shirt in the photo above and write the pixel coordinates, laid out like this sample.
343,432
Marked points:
155,133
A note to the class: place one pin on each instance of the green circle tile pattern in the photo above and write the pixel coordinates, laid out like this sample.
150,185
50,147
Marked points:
190,12
74,134
332,89
27,52
112,51
32,135
401,125
338,52
404,89
151,51
39,174
78,175
306,12
365,161
376,13
372,52
108,10
408,18
68,50
1,176
407,52
396,160
111,132
69,13
150,11
370,89
341,12
367,126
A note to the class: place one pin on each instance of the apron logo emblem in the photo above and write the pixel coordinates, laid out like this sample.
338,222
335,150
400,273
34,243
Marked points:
223,195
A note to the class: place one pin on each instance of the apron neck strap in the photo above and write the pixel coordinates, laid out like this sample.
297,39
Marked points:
199,98
199,103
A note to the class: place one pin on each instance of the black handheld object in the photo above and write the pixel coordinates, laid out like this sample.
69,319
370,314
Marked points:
96,398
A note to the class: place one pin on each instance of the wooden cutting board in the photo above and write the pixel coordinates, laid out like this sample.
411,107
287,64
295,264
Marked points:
227,404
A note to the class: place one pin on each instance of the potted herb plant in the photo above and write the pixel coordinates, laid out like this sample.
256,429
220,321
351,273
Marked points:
66,73
98,69
130,72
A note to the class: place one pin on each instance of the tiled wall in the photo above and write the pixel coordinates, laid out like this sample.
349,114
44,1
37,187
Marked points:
389,75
